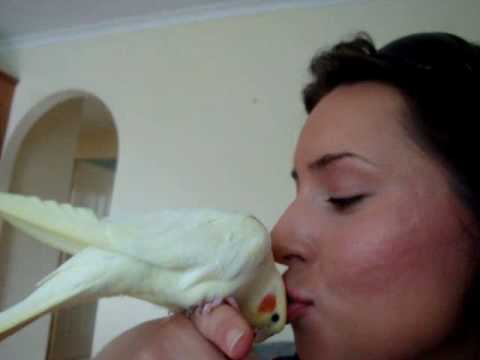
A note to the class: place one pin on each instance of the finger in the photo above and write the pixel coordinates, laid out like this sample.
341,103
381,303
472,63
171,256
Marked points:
184,341
167,339
227,329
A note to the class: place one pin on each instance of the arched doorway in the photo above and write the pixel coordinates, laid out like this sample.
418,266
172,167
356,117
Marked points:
68,153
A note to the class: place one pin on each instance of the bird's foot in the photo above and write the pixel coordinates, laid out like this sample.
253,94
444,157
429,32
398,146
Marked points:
232,302
206,307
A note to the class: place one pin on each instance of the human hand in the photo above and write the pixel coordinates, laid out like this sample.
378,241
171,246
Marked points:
219,335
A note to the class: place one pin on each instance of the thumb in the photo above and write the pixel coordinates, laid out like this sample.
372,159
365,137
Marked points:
227,329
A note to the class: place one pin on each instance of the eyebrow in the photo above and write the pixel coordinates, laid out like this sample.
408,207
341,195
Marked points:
329,159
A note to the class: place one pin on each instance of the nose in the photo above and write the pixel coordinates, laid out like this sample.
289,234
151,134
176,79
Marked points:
287,243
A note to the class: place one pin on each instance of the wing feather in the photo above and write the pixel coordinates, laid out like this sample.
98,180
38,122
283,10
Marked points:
61,226
185,239
223,242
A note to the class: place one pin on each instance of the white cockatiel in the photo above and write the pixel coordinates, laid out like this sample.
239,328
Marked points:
180,259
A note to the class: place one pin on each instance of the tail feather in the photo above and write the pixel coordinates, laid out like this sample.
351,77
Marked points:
24,313
77,280
61,226
34,306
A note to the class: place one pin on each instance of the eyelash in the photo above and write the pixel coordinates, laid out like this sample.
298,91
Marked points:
343,203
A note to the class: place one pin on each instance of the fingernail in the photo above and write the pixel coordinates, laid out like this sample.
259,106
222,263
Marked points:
233,339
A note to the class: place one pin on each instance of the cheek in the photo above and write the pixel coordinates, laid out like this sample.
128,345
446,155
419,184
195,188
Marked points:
397,278
399,249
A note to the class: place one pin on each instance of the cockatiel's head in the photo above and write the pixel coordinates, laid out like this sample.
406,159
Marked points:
262,297
266,307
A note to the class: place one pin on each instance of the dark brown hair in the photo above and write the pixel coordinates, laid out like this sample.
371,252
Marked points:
439,76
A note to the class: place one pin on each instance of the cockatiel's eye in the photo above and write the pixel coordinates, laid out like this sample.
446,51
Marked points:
275,317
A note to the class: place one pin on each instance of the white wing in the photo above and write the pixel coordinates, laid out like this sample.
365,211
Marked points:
61,226
208,243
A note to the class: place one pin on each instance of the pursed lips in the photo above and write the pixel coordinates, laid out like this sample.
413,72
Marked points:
297,304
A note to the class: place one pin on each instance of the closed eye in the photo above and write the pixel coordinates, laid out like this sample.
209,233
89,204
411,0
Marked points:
343,203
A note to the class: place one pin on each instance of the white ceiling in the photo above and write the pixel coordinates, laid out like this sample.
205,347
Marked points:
28,20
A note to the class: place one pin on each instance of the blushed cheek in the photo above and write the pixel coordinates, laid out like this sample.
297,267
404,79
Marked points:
370,267
403,253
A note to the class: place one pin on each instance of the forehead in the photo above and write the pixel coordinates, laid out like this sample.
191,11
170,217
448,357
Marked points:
366,118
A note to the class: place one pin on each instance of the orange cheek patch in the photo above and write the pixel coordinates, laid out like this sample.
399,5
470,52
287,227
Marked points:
268,304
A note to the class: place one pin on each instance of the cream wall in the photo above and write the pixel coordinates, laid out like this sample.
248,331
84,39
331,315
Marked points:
208,112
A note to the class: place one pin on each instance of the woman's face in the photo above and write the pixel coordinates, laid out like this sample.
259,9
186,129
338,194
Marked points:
377,253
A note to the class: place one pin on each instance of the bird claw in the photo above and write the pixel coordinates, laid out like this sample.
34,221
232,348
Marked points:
232,302
206,307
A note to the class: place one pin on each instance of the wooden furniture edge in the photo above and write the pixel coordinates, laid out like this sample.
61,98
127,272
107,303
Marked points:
9,78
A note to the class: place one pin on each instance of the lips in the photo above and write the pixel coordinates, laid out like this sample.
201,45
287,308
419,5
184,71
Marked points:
298,305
